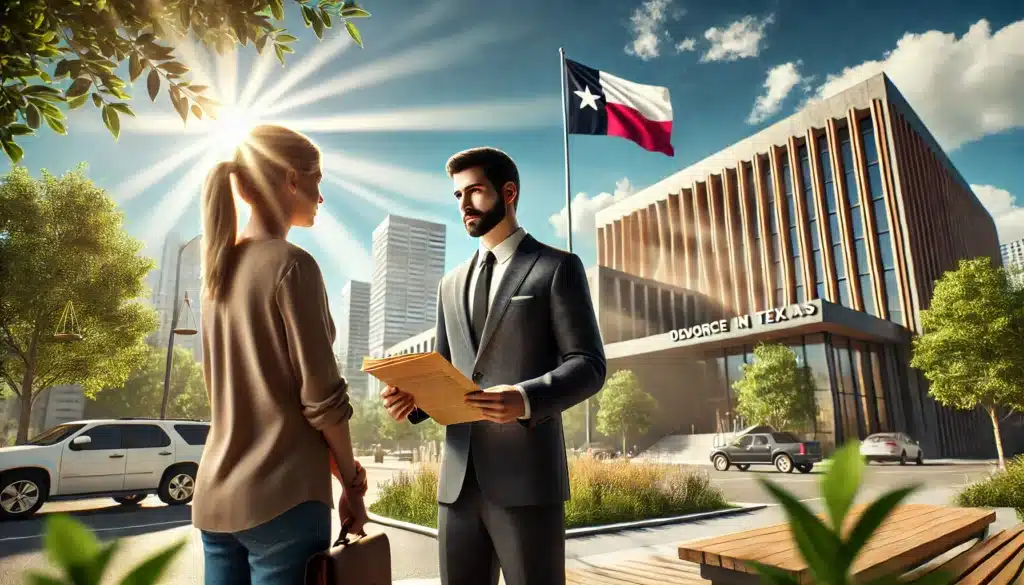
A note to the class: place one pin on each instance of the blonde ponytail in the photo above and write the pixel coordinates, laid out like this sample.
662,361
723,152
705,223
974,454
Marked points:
260,163
220,229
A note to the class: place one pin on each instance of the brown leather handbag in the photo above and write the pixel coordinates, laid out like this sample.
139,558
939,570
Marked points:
364,560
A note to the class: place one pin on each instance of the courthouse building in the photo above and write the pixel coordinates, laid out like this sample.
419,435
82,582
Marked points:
826,232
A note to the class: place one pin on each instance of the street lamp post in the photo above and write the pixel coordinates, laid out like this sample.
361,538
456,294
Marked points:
174,324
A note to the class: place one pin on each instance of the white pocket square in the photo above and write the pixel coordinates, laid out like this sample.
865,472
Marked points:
522,298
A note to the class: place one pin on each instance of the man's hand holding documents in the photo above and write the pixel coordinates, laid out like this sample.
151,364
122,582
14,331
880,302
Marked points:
436,387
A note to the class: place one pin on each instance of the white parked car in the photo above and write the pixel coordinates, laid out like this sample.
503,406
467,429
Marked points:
892,447
125,459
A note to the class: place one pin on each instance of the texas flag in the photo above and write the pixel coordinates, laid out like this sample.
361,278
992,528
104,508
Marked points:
605,105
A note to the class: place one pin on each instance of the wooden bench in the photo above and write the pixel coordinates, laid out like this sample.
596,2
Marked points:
912,536
997,560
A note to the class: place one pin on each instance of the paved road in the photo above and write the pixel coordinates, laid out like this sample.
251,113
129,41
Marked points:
743,486
152,526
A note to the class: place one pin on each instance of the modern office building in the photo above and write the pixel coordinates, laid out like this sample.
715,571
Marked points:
53,406
408,263
161,282
421,342
1013,253
353,337
825,231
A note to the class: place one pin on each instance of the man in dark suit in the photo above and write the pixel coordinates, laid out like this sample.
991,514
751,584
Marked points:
518,320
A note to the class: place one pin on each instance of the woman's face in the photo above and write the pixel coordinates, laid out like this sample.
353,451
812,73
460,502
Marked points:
306,198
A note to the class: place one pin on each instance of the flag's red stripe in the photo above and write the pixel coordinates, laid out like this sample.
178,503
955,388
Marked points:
626,122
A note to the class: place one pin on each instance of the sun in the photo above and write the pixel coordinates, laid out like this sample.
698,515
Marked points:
230,128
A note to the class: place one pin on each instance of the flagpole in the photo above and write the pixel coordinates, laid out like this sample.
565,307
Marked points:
565,145
568,193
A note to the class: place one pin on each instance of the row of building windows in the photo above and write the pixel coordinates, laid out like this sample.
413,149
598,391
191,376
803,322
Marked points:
791,237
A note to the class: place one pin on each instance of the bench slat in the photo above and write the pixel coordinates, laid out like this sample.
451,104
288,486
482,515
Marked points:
889,534
781,547
971,523
964,562
995,562
726,541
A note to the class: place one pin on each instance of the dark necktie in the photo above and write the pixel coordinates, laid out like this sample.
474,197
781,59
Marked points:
481,296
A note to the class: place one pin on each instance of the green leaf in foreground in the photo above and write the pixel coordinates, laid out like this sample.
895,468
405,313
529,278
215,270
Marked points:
773,575
354,33
150,571
68,542
112,121
841,482
819,546
869,521
35,578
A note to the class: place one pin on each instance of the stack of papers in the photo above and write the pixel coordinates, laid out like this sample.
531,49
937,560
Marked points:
436,385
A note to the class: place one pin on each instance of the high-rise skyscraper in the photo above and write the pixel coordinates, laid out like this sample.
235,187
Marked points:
408,262
1013,253
161,281
353,340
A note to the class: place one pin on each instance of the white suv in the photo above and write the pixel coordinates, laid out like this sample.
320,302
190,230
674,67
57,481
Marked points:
126,459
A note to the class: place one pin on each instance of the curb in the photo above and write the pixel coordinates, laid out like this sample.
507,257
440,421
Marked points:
653,522
407,526
591,530
385,467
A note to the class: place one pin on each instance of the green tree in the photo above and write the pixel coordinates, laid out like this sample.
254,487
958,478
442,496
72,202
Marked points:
624,407
364,425
399,432
775,390
430,430
143,391
44,44
64,243
574,423
970,348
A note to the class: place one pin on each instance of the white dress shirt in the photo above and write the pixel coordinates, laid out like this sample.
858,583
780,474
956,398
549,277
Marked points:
503,253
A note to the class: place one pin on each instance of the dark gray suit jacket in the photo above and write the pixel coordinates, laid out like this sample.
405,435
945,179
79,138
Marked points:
542,334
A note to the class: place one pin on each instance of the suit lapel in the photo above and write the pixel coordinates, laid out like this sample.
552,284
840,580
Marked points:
519,266
461,293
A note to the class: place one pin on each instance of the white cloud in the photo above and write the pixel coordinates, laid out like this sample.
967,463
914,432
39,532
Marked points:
686,45
1009,217
963,89
648,25
584,208
777,85
740,40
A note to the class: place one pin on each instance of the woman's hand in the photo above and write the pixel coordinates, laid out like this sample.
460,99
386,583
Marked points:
360,484
360,479
352,512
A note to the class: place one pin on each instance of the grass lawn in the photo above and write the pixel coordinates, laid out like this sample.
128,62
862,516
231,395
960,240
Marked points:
602,493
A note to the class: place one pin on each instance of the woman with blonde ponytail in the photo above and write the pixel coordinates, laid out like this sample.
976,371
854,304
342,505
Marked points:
279,407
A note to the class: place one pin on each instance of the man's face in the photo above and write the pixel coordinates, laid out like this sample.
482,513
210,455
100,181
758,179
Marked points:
480,205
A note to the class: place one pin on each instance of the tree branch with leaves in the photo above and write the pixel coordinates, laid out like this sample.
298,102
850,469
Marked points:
45,44
64,242
970,348
624,408
775,390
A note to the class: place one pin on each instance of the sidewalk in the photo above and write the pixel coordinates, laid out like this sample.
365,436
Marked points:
664,541
824,464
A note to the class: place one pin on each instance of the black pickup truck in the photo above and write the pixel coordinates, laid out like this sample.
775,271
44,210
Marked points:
783,450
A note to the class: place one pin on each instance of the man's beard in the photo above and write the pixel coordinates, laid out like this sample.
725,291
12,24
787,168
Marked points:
486,221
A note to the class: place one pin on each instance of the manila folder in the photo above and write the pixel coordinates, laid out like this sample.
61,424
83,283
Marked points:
436,385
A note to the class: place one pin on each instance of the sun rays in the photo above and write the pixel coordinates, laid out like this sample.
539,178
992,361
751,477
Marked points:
268,94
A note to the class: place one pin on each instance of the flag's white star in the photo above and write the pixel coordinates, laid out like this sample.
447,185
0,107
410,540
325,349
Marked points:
587,99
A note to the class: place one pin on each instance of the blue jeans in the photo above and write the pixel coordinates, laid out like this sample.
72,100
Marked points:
273,553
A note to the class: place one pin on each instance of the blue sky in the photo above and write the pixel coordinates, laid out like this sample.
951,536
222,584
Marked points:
487,72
